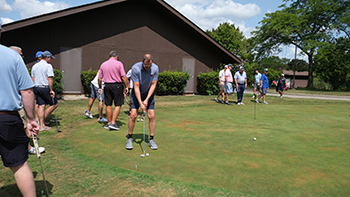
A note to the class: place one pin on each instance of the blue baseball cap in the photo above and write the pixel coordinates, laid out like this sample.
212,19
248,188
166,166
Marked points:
38,54
47,54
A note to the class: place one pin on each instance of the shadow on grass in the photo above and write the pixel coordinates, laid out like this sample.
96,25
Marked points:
13,191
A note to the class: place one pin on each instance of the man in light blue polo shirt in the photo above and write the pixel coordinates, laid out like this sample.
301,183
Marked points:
144,76
16,86
241,84
264,85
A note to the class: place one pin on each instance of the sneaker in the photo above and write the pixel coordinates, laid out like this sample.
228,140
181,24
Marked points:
223,102
242,103
227,103
102,119
88,114
257,101
280,96
216,100
129,144
33,151
265,102
253,96
238,104
153,145
106,126
113,126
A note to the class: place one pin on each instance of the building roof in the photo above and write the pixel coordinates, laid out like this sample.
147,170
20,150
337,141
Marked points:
290,72
100,4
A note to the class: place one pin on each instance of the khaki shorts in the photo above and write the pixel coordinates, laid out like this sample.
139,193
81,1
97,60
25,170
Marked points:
222,86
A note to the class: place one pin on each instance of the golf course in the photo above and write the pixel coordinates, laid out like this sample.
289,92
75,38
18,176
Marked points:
205,149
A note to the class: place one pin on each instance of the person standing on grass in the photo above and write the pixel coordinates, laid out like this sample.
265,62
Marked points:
241,84
100,98
256,84
281,83
42,75
228,83
145,77
221,85
264,85
16,86
113,74
31,150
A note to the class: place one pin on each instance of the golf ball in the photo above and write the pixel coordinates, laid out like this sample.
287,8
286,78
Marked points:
254,139
147,154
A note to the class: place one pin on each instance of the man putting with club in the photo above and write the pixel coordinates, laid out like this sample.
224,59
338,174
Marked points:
144,76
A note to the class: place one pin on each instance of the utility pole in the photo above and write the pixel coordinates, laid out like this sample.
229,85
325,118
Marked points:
294,65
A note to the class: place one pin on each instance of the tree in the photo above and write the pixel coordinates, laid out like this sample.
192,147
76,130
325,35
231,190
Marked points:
307,24
334,64
300,65
274,62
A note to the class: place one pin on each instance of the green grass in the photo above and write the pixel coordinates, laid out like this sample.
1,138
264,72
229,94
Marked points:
205,149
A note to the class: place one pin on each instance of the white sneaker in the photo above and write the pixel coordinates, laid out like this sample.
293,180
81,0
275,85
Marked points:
242,103
257,101
88,114
280,96
265,102
152,144
129,145
33,151
238,103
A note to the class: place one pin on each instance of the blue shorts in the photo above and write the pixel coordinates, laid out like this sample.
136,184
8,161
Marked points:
13,140
264,91
228,89
43,97
135,103
280,88
95,94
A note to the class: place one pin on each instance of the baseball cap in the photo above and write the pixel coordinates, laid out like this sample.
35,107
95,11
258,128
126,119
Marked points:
47,54
230,65
1,29
266,69
226,66
241,68
38,54
282,75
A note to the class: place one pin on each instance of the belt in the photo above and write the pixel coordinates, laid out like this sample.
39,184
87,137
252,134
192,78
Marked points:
241,84
42,86
9,112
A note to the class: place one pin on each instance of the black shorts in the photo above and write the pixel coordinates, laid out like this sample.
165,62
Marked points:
13,140
114,91
135,103
43,97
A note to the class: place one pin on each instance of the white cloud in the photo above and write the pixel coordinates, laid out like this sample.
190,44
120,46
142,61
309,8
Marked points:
29,8
6,20
4,6
209,14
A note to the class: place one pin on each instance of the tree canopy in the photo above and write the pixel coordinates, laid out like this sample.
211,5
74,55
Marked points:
307,24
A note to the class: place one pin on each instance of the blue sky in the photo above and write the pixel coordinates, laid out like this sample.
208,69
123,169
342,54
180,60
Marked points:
207,14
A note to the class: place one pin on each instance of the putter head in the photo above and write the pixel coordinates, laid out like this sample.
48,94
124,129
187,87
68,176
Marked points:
58,130
142,155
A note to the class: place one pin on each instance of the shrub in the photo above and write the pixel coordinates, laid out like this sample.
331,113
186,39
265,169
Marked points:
207,83
171,83
57,85
86,78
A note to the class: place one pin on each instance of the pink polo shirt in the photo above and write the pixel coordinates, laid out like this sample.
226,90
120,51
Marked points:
111,71
228,74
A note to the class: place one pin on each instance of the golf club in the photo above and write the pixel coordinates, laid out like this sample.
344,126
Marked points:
144,138
54,109
255,110
36,146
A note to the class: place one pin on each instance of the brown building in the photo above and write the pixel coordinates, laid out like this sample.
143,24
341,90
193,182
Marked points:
300,78
81,38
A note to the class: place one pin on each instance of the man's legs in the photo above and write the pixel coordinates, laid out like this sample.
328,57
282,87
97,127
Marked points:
115,114
24,179
91,102
49,110
109,113
152,121
100,108
131,122
41,116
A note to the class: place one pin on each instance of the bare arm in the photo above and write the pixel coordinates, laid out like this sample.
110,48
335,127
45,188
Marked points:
28,105
126,84
52,93
138,95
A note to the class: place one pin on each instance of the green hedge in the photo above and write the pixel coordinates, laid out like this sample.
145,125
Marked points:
57,84
208,83
86,78
171,83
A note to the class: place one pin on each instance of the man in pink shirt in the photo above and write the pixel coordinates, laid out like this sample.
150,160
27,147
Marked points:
113,74
228,83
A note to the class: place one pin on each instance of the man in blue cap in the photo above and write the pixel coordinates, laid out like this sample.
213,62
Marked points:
42,75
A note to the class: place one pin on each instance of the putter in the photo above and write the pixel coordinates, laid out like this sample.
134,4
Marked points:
144,128
36,146
54,109
254,110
